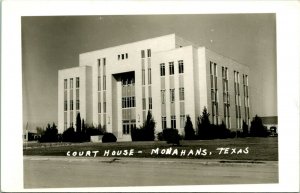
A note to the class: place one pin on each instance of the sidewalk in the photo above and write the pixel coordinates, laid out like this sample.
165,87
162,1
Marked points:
151,160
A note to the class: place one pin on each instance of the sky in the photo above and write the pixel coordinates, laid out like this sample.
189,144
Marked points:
51,43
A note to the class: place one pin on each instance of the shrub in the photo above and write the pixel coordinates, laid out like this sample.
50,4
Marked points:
109,137
160,136
171,136
223,133
189,129
232,134
69,135
137,134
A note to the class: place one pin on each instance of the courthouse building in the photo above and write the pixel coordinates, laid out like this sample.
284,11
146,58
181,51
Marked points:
169,76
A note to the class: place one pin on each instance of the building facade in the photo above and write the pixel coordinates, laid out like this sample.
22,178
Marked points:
169,76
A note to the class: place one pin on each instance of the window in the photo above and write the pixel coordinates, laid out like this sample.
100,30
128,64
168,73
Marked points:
99,83
133,101
181,94
163,122
71,105
123,57
143,53
171,67
215,69
172,95
65,105
71,83
99,107
123,102
128,102
144,103
143,76
119,57
126,55
104,107
99,67
65,84
77,105
173,122
77,93
149,53
149,76
127,126
180,66
182,121
77,82
150,102
104,82
163,96
162,69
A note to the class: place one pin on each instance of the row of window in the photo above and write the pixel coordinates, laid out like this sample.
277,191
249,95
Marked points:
148,53
99,83
128,102
171,68
99,107
172,95
173,121
123,56
71,105
128,81
128,125
149,77
71,83
149,103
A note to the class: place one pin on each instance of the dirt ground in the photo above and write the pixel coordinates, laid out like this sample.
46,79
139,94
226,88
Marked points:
62,172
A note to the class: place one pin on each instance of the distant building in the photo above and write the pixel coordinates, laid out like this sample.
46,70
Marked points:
30,136
271,122
169,76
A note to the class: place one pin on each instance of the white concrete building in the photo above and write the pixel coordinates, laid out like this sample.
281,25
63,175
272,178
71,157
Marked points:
169,76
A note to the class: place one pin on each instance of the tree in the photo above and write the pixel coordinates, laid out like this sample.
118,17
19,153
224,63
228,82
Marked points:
145,132
149,127
50,134
40,131
204,125
78,123
83,126
245,129
257,128
189,129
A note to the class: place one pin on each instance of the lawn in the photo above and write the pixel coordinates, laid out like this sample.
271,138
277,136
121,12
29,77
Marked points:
257,149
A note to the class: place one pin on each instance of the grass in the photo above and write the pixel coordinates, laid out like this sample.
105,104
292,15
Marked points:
261,149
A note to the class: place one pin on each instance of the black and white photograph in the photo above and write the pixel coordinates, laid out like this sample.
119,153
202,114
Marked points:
127,94
150,100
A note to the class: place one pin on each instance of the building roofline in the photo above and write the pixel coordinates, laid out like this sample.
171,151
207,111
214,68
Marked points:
135,42
64,69
227,57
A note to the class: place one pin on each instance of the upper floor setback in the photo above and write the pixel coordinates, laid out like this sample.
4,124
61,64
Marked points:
135,50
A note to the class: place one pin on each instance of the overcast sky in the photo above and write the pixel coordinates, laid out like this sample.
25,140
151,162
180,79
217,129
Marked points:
53,43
